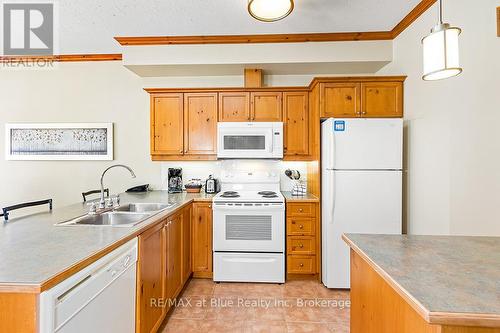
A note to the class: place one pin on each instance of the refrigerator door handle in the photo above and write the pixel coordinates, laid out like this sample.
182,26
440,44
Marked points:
333,192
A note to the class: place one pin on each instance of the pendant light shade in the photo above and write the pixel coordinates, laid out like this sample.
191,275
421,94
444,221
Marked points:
270,10
440,50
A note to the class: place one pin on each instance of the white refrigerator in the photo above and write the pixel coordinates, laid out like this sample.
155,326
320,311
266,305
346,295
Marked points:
361,171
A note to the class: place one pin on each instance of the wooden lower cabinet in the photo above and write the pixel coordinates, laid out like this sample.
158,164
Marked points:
151,279
302,241
202,240
186,243
164,266
174,274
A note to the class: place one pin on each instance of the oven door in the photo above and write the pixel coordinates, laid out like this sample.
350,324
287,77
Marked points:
249,228
241,141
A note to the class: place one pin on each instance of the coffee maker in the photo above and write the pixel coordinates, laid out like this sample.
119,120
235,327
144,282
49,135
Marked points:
174,180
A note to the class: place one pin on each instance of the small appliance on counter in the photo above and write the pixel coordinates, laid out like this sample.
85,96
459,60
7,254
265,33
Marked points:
174,180
138,189
299,188
212,185
194,186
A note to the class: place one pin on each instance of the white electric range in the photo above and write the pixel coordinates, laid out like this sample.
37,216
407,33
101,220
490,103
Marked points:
249,228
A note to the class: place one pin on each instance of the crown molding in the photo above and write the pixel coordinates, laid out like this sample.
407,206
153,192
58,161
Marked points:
236,39
282,38
63,58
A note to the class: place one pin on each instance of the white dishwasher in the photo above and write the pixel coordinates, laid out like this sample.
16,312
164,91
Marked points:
99,298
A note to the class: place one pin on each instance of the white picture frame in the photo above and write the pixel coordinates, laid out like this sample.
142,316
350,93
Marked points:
59,141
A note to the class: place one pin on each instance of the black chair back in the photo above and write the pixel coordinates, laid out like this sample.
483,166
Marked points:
6,210
85,194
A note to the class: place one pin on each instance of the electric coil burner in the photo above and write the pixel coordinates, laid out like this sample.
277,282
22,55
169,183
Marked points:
249,228
266,193
230,194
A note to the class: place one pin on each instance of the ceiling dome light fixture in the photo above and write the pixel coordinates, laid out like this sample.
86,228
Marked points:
270,10
441,51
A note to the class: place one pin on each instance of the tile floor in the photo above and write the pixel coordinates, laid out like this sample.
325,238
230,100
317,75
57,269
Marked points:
296,306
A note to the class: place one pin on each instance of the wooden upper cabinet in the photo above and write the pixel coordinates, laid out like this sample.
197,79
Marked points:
200,123
296,125
382,99
340,100
266,106
167,114
151,275
234,106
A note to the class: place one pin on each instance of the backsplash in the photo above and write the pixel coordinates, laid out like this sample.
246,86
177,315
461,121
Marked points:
202,170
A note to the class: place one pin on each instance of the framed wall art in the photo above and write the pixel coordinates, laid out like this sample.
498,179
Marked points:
59,141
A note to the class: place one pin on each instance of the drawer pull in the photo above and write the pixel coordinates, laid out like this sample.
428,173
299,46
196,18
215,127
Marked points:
301,265
301,245
301,210
301,226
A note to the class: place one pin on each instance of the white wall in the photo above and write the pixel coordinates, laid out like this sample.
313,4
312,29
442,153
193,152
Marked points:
453,134
75,92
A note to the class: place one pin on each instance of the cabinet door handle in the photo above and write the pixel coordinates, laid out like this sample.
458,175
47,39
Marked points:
364,112
301,245
185,151
301,226
180,151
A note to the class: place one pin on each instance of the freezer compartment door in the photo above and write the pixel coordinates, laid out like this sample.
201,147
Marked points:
363,143
358,202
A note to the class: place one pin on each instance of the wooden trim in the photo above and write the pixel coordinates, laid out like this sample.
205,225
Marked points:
250,39
226,89
438,318
411,17
344,79
498,21
64,58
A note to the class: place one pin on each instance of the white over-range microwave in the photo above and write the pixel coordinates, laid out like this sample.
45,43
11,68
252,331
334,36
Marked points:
250,140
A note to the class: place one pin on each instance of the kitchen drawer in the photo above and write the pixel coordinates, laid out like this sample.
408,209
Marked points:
301,226
301,264
301,245
301,209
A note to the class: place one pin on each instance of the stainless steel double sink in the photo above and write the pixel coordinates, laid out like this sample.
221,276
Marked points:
127,215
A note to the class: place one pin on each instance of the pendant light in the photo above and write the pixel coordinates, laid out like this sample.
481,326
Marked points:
270,10
441,51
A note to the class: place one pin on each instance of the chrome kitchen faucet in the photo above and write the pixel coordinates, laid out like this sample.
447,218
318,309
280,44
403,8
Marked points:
102,202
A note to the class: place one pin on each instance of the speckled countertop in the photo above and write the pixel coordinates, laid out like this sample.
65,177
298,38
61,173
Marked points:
308,197
34,252
444,274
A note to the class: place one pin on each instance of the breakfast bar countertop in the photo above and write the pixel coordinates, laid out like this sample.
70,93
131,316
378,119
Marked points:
442,277
35,254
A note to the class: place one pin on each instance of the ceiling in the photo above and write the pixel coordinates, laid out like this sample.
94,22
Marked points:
88,26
